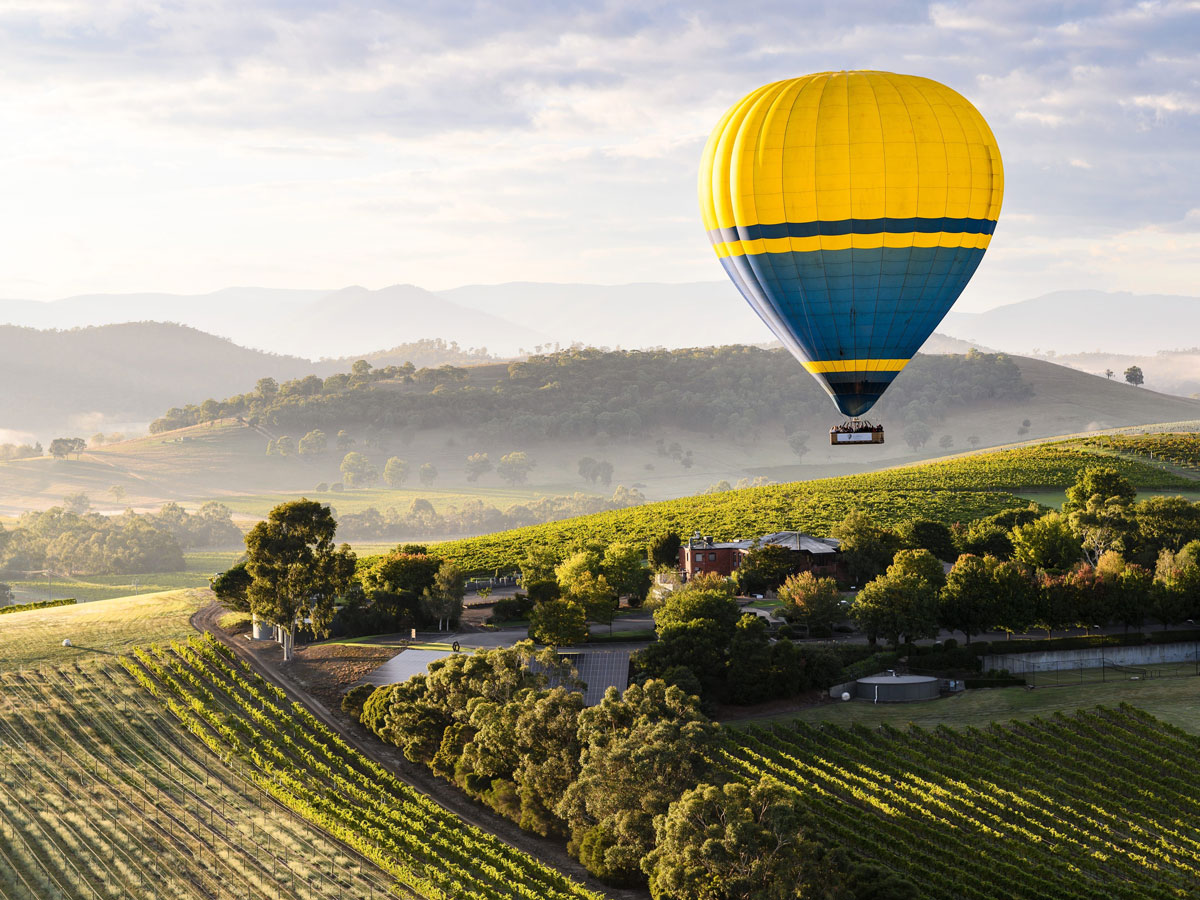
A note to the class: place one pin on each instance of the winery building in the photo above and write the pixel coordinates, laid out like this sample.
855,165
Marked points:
701,554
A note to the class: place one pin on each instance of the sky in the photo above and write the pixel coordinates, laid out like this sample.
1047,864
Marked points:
190,146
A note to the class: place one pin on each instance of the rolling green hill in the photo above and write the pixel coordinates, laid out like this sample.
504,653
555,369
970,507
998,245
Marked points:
948,491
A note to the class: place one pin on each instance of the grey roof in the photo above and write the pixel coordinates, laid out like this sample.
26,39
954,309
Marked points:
597,668
404,666
793,540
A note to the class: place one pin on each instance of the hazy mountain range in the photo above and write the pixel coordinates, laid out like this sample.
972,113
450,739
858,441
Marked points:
90,374
510,318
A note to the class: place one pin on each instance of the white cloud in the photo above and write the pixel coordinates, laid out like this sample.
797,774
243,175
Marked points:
178,146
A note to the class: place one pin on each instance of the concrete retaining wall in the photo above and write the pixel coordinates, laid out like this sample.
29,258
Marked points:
1094,657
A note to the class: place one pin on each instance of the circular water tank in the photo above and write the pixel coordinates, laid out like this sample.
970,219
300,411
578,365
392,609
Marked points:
897,688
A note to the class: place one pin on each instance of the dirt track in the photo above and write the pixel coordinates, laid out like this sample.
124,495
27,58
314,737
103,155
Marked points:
548,851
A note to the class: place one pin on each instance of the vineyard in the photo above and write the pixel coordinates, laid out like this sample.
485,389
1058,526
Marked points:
103,794
1179,449
1095,804
957,490
1043,466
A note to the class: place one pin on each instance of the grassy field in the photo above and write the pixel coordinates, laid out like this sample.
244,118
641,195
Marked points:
102,628
200,567
1173,700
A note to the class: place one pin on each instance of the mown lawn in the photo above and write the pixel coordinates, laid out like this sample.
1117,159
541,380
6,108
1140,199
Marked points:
105,627
1174,700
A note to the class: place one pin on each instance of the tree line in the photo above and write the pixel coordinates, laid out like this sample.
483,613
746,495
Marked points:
83,543
584,392
1105,559
422,519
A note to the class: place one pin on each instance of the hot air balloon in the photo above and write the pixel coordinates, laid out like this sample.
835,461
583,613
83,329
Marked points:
850,209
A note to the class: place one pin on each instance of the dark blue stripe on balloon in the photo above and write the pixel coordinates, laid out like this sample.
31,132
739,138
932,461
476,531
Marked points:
853,226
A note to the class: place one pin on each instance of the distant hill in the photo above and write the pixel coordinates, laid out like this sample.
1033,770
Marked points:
1169,371
669,424
118,376
353,321
1070,322
525,316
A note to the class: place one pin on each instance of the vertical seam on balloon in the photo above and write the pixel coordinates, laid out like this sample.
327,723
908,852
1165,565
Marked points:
850,191
958,255
792,257
883,180
816,197
929,273
760,264
912,240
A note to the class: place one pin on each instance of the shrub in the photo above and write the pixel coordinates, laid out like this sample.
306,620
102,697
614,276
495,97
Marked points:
506,609
355,698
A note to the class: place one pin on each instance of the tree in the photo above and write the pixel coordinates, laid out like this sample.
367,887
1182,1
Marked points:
765,567
343,441
231,588
663,550
799,444
559,623
478,464
266,389
581,563
358,471
284,445
733,842
967,602
749,678
866,547
895,606
639,748
1014,598
312,443
815,601
1101,484
587,469
61,448
428,474
917,435
946,442
1108,373
625,568
597,597
395,472
443,600
921,564
1134,375
1047,543
77,503
117,491
295,569
515,467
924,534
6,594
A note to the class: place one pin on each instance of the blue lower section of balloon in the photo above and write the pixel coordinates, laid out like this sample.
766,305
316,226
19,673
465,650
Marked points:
875,304
855,392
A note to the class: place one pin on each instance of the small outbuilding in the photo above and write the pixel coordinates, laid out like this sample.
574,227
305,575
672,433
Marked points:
893,688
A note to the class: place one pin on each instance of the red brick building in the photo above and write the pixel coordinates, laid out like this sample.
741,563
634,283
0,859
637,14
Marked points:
817,555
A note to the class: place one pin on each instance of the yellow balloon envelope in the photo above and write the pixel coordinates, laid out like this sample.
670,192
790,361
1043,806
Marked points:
850,209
